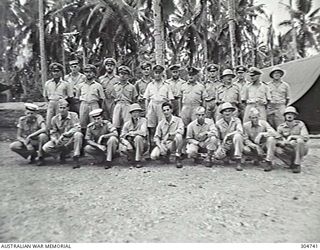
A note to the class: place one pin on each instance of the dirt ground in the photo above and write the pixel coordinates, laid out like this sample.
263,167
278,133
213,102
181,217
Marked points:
158,203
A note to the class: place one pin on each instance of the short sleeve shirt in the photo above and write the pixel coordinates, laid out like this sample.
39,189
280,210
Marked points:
158,92
94,131
279,92
108,83
194,129
211,88
56,91
252,131
141,86
75,81
60,126
175,86
193,93
225,128
257,93
228,93
140,127
91,92
164,127
124,92
29,126
298,128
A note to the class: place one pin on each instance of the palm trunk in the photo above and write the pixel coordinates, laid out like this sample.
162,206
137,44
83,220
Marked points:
42,45
158,32
205,40
232,29
294,34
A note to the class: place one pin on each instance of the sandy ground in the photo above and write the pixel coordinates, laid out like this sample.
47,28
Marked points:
158,203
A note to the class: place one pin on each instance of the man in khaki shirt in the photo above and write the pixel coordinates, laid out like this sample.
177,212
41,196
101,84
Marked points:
90,93
211,85
124,94
175,83
101,137
259,138
54,90
65,134
292,146
227,92
133,138
75,78
31,134
256,95
279,97
141,85
241,81
193,95
201,135
108,80
230,134
169,136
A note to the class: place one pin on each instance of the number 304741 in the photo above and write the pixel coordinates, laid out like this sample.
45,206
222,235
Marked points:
309,245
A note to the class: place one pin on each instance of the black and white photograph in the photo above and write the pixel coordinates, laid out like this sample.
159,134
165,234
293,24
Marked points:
159,121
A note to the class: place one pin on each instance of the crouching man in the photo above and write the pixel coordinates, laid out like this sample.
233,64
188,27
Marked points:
259,138
65,135
31,134
133,138
294,136
168,136
230,134
101,137
201,135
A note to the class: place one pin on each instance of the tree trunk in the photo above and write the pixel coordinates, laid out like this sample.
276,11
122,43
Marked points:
158,32
42,45
294,34
205,33
232,28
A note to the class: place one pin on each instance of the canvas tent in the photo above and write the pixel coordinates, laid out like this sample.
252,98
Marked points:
304,78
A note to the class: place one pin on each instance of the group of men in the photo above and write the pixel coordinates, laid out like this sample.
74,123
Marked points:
225,116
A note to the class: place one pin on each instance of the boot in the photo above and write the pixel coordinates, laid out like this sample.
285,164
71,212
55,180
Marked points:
296,169
238,166
32,159
208,161
76,162
108,165
41,162
268,166
137,164
178,162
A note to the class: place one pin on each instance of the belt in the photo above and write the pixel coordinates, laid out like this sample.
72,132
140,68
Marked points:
157,102
89,102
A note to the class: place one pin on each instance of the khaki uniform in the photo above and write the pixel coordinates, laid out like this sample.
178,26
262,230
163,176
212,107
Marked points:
233,144
54,92
89,95
266,144
294,150
210,101
75,81
170,135
137,143
256,96
279,97
227,93
141,86
242,84
94,131
201,137
192,96
176,91
157,94
124,95
27,128
67,131
108,104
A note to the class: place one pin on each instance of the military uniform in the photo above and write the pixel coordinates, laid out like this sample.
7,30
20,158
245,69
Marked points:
259,139
74,82
210,102
201,136
141,86
133,138
90,94
295,149
156,93
94,132
67,133
28,127
170,136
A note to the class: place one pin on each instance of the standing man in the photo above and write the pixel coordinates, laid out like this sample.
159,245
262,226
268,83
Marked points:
230,134
157,92
227,92
65,135
193,95
279,99
90,93
31,134
241,81
142,84
175,83
168,136
54,90
202,134
75,78
101,139
211,87
108,80
256,95
133,138
259,138
293,141
124,94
